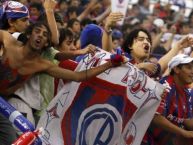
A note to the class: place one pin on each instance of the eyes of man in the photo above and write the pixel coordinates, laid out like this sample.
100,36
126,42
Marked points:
141,38
38,30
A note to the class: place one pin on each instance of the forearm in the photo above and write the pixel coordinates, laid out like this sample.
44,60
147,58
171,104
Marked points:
69,75
101,17
156,41
87,10
168,44
68,54
52,25
188,123
86,74
107,42
166,125
166,58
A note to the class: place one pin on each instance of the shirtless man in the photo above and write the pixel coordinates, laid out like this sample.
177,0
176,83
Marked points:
20,61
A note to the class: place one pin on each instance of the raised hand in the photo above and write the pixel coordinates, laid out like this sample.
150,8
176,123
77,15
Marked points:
148,66
117,59
49,4
89,49
184,42
112,19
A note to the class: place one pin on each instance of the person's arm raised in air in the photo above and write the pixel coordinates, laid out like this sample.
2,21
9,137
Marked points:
49,6
107,37
179,45
87,10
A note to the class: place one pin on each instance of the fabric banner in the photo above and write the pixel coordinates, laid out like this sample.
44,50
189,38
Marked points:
119,6
114,108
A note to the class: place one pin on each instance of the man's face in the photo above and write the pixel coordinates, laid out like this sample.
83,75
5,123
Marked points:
141,46
76,27
34,12
68,44
21,24
185,73
39,38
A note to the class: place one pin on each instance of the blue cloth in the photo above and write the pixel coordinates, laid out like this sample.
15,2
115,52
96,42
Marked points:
13,10
91,34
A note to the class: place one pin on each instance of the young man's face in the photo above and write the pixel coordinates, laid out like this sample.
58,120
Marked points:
141,46
68,44
20,24
185,73
76,27
39,38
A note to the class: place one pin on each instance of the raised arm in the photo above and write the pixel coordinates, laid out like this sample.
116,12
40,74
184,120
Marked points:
183,43
107,37
87,10
49,6
102,16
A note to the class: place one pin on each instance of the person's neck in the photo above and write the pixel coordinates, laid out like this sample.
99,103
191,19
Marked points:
29,52
11,30
179,82
137,59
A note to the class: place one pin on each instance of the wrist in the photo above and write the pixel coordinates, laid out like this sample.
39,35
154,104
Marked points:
108,30
49,10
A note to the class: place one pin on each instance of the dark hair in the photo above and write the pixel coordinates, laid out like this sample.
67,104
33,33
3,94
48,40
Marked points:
36,5
71,22
58,18
5,24
64,33
31,27
71,10
179,66
86,21
131,36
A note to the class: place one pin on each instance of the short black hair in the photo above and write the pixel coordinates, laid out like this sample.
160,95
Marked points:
64,33
71,22
36,5
131,36
71,10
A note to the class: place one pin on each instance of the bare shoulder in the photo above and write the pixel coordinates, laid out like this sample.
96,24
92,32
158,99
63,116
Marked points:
7,38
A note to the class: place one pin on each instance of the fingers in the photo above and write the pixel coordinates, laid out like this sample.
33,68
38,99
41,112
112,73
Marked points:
92,49
114,17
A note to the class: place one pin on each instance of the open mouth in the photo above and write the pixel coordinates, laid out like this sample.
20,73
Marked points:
38,41
146,47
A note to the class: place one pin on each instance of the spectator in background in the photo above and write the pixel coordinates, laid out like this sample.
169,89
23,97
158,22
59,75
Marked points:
138,45
74,26
72,13
35,10
144,6
117,38
174,117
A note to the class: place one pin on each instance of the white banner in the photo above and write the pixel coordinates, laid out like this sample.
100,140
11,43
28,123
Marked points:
119,6
114,108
